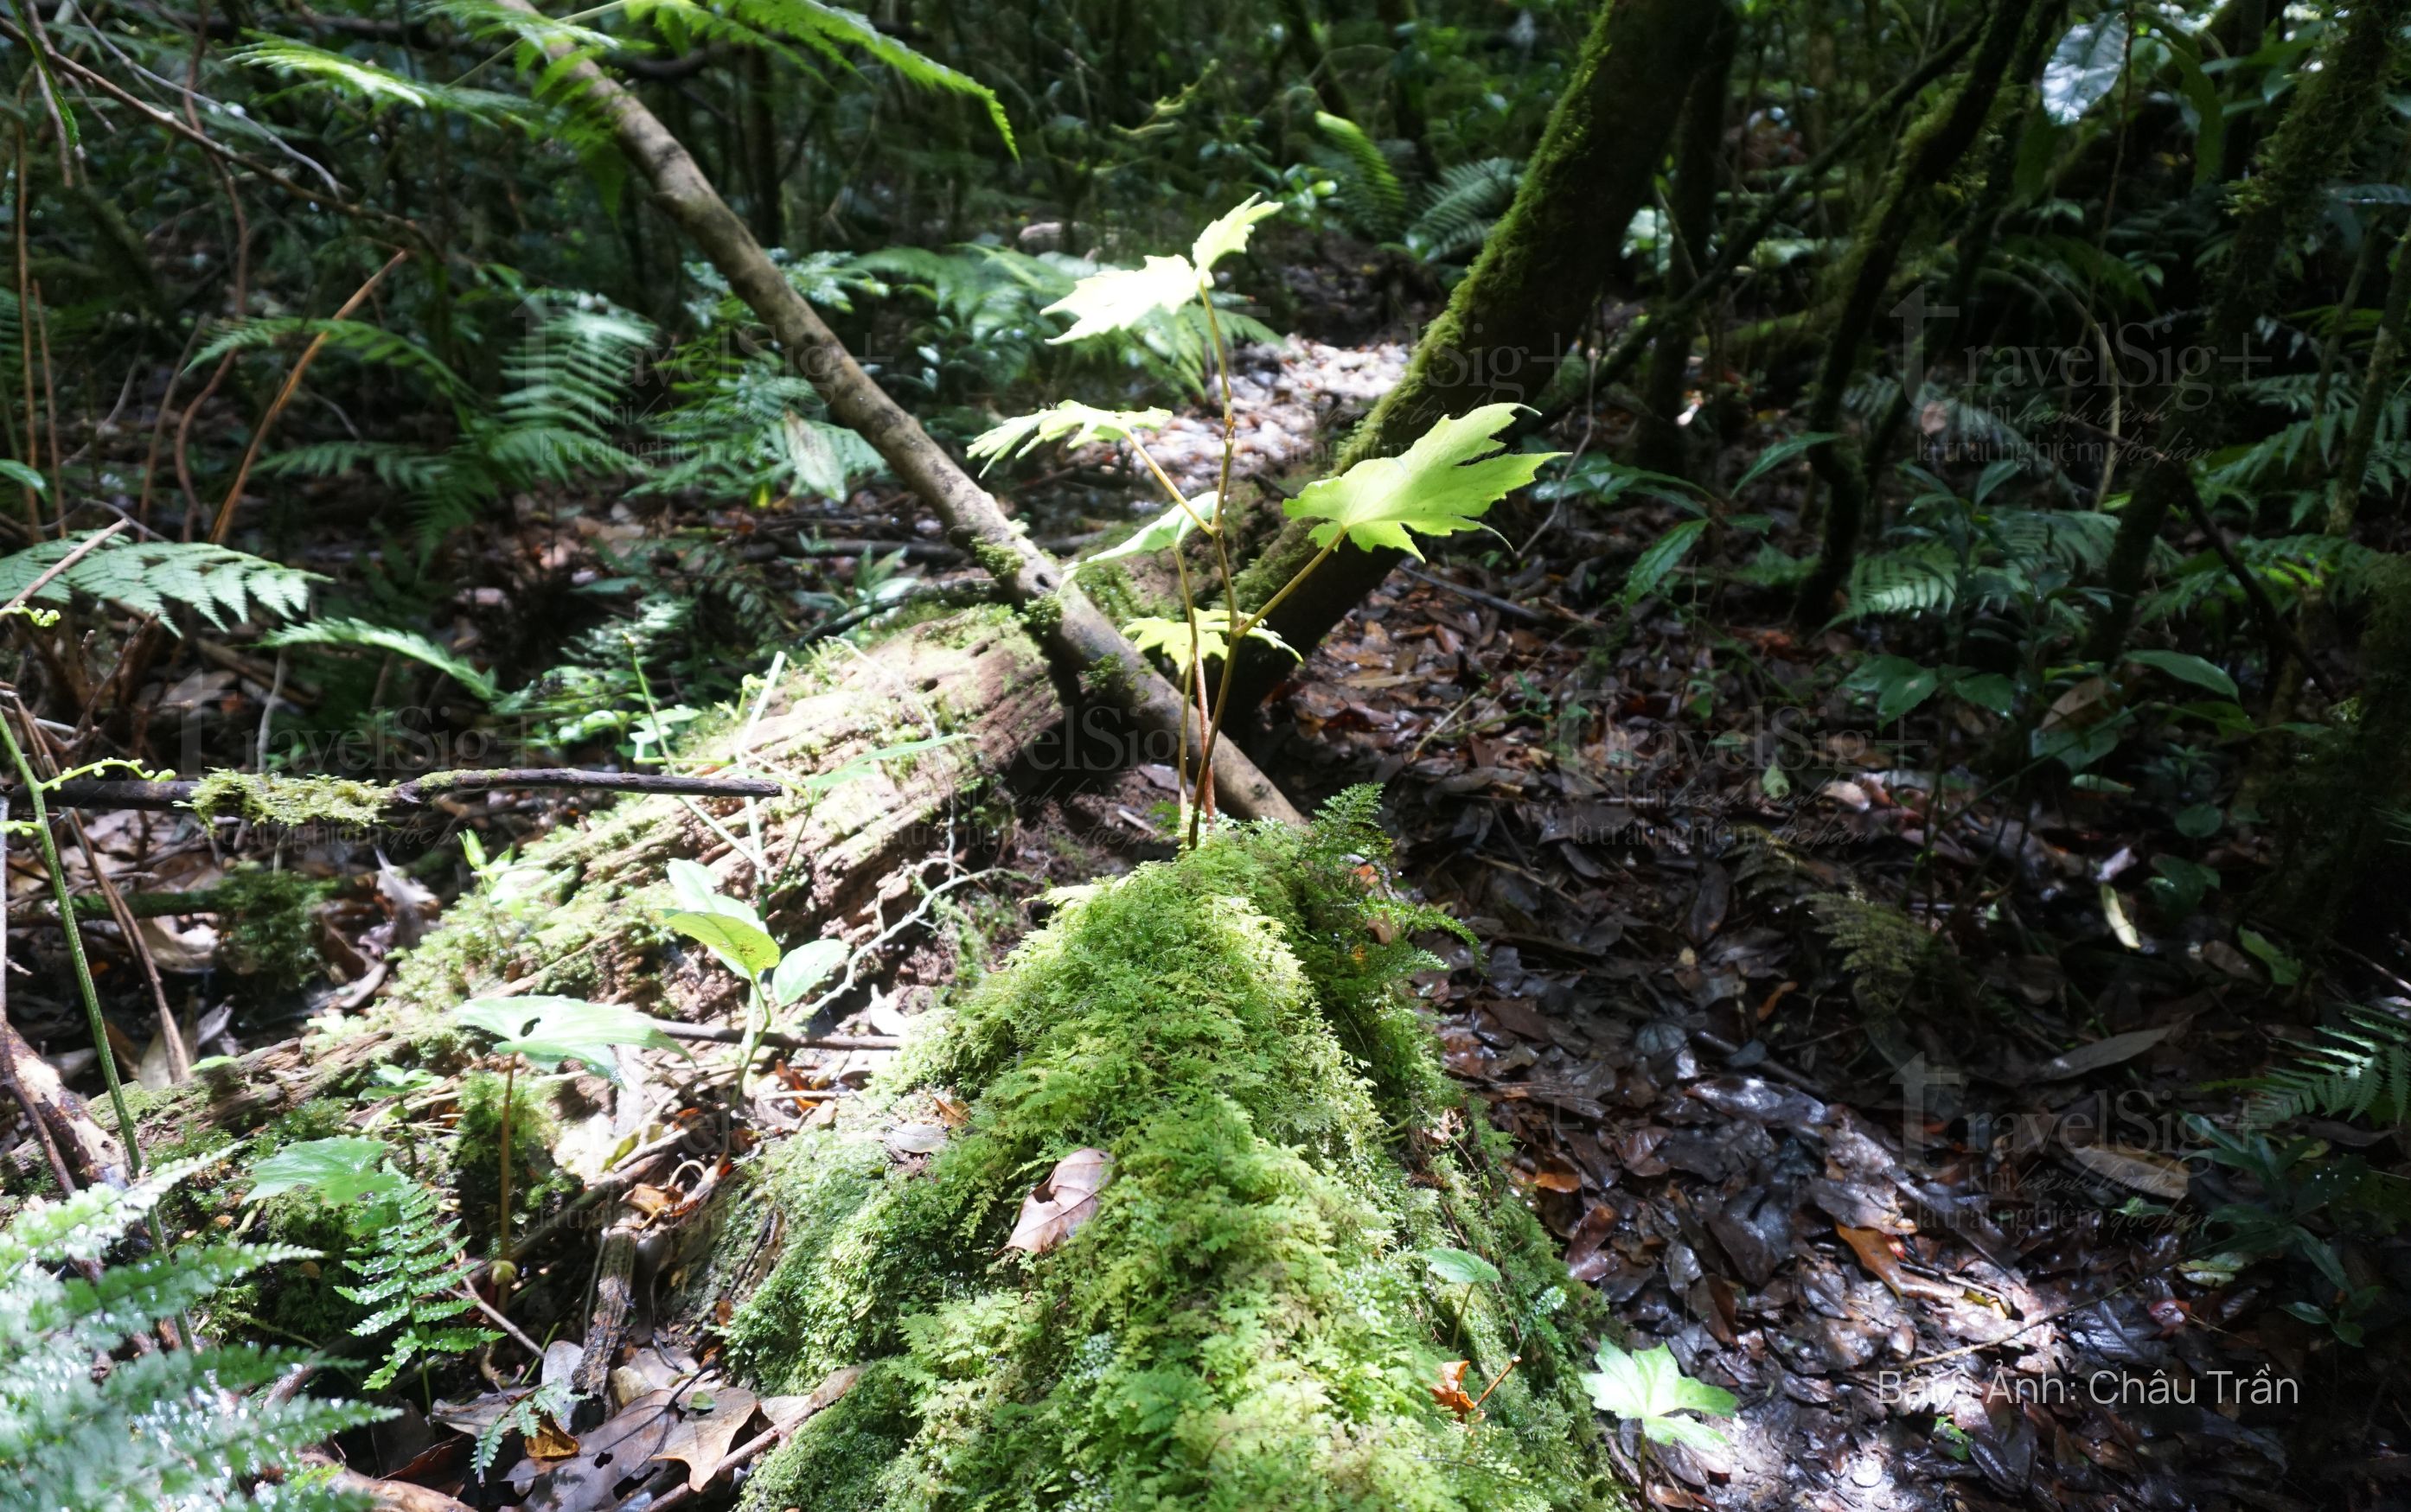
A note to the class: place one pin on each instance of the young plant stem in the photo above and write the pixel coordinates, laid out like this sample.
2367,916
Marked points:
502,1220
74,933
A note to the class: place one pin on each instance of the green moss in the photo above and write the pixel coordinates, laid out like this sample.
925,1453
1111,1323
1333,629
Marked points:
1042,616
268,799
1246,1321
477,1170
270,934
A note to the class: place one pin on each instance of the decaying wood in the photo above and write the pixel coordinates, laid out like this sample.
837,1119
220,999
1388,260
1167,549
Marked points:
1079,637
60,1120
609,1313
109,792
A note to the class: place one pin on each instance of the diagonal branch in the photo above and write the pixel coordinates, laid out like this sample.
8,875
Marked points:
1081,641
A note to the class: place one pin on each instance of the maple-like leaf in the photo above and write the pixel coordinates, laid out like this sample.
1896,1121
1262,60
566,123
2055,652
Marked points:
1648,1388
1229,233
1445,482
1168,528
1079,423
1121,297
1171,637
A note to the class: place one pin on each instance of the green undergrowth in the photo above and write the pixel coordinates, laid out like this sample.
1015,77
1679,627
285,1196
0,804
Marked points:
1248,1320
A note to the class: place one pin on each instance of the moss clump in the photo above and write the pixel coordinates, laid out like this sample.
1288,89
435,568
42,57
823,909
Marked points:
270,934
477,1170
290,801
1246,1321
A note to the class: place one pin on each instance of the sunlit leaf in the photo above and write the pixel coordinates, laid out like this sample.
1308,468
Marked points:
2085,67
546,1029
1154,633
1121,297
1649,1388
805,967
1072,421
341,1171
743,947
1166,530
1444,484
1229,234
1458,1267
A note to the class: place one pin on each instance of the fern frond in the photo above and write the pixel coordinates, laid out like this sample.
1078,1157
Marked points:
372,344
153,578
1370,193
1884,952
415,1272
409,643
1461,208
2360,1070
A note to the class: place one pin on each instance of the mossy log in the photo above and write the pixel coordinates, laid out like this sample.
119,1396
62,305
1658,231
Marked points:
839,858
1244,1316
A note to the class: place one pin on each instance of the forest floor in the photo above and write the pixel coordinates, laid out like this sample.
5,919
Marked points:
1902,1177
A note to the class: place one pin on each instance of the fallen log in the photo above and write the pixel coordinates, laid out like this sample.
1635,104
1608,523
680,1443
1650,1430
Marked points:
1080,639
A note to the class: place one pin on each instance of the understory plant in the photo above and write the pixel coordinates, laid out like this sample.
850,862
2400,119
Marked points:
153,1423
1441,485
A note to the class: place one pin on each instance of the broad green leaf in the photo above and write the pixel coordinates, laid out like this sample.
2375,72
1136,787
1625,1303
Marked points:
1121,297
1651,567
1168,528
2085,67
2284,970
1446,481
341,1171
1230,234
805,967
1778,455
16,472
1648,1389
742,947
1171,637
547,1029
1458,1267
1900,697
1072,421
1986,690
699,891
2186,667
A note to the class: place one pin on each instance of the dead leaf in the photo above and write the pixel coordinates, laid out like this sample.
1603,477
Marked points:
706,1433
2101,1053
1059,1205
2155,1175
1874,1252
786,1412
1450,1392
589,1480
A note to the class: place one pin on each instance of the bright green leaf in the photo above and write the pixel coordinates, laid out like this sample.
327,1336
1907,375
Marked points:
1121,297
1460,1268
744,947
1652,566
1166,530
1229,234
1446,481
1071,421
805,967
341,1171
1154,633
1648,1389
547,1029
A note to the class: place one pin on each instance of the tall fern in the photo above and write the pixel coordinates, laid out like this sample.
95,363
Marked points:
1461,208
413,1279
185,1428
1370,193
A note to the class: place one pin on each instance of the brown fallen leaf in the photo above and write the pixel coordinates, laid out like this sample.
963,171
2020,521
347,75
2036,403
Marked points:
1058,1206
786,1412
588,1481
2154,1175
1450,1392
1874,1252
708,1423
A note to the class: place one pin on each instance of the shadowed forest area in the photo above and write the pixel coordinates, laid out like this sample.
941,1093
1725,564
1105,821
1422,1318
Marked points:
1366,755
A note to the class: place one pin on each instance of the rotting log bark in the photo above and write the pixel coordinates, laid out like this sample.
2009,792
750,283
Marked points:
842,860
1526,297
63,1125
1080,638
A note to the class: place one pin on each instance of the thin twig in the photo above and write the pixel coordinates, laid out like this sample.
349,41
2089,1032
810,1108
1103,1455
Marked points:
90,545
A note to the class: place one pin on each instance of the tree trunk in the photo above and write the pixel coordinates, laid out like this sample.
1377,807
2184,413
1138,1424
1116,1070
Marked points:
1526,297
2335,107
1931,151
1699,163
1083,642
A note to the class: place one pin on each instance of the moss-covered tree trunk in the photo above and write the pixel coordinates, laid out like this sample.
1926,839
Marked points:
1525,299
1932,150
